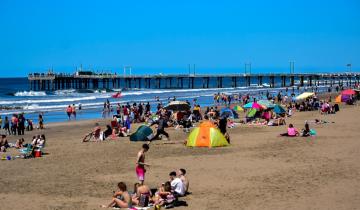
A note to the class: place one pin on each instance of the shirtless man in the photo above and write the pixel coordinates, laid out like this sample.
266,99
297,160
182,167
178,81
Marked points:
184,179
140,163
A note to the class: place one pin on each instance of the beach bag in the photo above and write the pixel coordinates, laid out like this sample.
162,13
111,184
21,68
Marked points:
143,200
312,132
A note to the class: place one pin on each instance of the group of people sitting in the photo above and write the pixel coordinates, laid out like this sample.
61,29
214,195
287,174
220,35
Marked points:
142,195
116,128
27,149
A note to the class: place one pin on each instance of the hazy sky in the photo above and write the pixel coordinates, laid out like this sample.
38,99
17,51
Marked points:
166,36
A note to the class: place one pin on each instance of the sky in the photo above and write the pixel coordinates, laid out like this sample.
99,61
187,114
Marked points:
166,36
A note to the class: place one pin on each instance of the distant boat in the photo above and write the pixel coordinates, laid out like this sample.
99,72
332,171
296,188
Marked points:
117,95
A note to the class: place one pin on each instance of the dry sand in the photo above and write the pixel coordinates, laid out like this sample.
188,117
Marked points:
258,171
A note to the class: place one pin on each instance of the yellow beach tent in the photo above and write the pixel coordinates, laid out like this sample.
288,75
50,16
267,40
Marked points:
206,135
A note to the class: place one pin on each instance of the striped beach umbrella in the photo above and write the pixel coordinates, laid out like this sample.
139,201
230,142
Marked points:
206,135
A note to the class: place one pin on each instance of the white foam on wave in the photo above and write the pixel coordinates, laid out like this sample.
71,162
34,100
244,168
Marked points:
36,101
30,93
65,92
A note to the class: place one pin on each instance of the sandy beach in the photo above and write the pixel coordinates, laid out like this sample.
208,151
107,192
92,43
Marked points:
260,170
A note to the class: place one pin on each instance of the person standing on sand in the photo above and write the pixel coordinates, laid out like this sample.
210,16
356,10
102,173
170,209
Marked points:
68,112
73,111
41,122
140,163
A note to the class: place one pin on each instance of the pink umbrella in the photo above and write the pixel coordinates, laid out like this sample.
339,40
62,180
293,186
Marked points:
348,92
256,106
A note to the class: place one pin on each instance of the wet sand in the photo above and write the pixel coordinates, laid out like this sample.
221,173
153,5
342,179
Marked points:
258,171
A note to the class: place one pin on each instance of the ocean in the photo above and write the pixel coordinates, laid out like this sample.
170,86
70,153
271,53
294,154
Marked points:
15,97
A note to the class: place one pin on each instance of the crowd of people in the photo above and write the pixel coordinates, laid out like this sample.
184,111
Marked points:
167,194
17,124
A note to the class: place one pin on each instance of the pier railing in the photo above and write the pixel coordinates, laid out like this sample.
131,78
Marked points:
53,81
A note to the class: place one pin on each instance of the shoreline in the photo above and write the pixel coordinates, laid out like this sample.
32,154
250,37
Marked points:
260,169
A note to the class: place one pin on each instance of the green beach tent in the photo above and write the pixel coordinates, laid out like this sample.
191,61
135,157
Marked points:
143,133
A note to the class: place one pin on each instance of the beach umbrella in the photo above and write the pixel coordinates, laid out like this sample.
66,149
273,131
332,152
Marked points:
266,103
206,135
304,95
279,109
248,105
238,108
348,92
251,113
228,113
178,106
253,105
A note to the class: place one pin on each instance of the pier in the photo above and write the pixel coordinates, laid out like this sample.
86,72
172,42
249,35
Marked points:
89,80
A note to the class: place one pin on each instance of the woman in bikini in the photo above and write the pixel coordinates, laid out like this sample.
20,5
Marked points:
121,198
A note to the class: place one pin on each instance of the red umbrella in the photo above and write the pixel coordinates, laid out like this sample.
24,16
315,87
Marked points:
348,92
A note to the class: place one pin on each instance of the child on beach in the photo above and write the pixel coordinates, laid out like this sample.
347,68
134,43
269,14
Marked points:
120,199
291,131
164,196
140,163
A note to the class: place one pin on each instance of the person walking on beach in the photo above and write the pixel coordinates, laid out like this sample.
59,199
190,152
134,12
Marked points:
41,122
140,163
73,111
69,111
161,122
7,125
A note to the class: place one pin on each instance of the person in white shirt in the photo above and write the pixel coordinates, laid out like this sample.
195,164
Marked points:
177,185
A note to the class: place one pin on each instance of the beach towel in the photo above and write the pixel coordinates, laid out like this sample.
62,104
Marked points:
312,132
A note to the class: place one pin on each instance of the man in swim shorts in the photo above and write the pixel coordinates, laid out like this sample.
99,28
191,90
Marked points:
140,163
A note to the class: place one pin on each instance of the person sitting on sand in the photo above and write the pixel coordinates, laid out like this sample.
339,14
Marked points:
19,143
121,198
35,140
42,141
96,131
291,131
177,185
3,143
184,179
142,195
164,195
108,132
306,131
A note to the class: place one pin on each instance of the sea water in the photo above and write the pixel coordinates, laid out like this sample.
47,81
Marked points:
15,97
